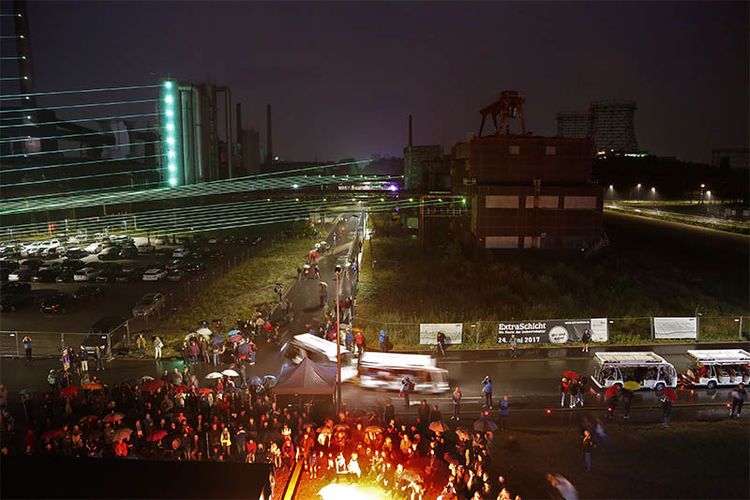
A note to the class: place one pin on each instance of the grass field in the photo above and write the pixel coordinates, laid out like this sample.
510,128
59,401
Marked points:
239,293
408,286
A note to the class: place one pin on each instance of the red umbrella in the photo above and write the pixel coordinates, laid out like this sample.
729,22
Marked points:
113,417
69,391
611,391
51,434
572,375
152,385
670,393
156,435
180,388
204,390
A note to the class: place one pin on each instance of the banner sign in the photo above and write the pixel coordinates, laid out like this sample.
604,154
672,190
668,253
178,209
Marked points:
675,328
428,333
555,331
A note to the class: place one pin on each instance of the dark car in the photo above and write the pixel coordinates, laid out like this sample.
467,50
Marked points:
65,276
173,264
161,251
7,267
73,264
21,275
32,264
128,252
76,253
99,332
130,274
14,288
108,273
111,253
59,303
10,302
194,267
87,292
46,275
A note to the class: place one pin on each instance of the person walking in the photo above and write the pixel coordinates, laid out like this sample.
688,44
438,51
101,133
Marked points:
359,340
456,403
406,388
513,346
612,404
587,445
323,293
627,397
738,398
573,391
441,344
27,347
383,341
299,274
487,391
564,386
99,357
140,344
666,408
504,411
158,344
349,340
586,339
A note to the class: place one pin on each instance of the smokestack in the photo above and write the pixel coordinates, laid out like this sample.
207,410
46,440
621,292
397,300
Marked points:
410,137
269,146
239,122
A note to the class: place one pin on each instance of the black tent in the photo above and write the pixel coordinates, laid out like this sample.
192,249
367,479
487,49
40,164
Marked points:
308,378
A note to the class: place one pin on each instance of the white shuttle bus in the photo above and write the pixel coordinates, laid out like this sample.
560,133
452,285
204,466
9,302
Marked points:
321,351
649,369
385,371
715,367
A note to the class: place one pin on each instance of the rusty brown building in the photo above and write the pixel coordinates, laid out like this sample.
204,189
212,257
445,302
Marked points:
529,191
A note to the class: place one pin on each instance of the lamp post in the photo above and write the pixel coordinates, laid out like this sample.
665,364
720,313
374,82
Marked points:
338,344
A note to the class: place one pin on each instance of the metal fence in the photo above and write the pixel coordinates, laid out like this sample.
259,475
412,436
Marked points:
637,330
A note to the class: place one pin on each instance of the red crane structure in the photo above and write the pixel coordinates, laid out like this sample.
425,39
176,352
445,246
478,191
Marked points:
509,105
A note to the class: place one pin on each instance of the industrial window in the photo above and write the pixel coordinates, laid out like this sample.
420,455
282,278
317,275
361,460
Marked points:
544,201
580,202
501,242
550,150
514,150
500,201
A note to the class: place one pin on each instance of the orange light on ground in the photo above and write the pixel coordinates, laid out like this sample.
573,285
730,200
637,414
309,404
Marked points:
360,491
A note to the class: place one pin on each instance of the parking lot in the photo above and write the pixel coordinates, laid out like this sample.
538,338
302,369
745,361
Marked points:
117,299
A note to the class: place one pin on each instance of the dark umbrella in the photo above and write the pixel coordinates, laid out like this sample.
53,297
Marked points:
243,349
233,389
152,385
28,390
122,433
255,380
175,378
88,420
485,425
670,393
271,435
439,427
113,417
217,340
269,381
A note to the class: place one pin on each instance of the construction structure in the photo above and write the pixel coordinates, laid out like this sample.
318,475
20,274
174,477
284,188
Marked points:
425,167
737,158
609,124
527,191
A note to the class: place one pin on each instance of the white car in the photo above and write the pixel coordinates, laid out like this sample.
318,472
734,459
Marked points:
180,253
149,304
30,249
154,274
145,248
86,274
95,247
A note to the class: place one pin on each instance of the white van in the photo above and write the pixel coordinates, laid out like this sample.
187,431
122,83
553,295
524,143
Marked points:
714,367
649,369
319,350
385,371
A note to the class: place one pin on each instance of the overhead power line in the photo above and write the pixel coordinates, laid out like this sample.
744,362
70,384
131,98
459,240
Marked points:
80,91
89,105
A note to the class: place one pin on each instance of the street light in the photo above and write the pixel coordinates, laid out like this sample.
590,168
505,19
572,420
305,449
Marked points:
338,344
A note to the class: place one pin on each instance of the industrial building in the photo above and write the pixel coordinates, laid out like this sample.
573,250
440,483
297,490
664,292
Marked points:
425,167
609,124
527,191
738,158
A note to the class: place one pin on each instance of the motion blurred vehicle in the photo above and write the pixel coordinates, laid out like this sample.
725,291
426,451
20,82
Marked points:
714,367
11,302
319,350
59,303
87,292
86,274
649,369
385,371
149,304
154,274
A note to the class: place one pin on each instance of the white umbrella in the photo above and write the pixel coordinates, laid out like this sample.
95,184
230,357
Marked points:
230,373
204,331
190,335
213,375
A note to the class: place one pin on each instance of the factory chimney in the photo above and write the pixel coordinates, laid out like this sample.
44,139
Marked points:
410,136
239,122
269,147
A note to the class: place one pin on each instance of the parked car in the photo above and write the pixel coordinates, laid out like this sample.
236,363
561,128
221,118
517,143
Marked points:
86,274
75,253
154,274
46,275
87,292
33,264
95,247
59,303
10,302
145,248
108,273
163,251
50,266
173,264
99,331
194,267
21,275
52,252
111,253
181,252
149,304
65,276
175,275
128,252
130,274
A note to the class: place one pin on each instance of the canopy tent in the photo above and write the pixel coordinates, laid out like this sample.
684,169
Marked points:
307,378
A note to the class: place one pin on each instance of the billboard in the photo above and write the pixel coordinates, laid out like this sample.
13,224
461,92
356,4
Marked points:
554,331
428,332
675,328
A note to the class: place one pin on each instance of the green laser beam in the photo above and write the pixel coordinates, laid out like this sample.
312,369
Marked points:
71,106
80,91
34,124
24,155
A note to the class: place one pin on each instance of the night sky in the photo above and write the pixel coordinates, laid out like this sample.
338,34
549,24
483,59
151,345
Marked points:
343,77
